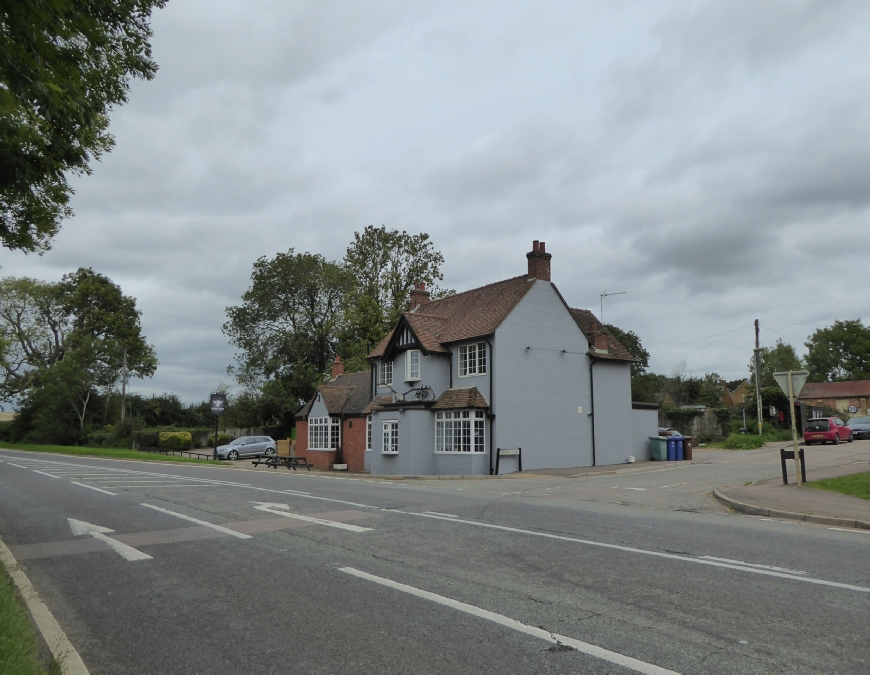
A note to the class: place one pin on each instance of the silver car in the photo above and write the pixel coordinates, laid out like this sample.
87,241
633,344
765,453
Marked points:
246,446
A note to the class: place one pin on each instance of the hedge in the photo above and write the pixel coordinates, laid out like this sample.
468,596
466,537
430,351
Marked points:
174,440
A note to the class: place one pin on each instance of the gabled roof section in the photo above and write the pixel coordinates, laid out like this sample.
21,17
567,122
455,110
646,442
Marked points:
460,397
615,351
852,389
462,316
345,395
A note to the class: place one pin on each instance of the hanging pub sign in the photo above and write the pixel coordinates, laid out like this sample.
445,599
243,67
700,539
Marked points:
218,404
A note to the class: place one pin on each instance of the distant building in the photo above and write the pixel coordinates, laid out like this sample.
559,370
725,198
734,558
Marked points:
847,397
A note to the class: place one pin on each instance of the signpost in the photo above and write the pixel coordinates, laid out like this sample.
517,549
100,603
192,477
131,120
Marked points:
791,382
217,406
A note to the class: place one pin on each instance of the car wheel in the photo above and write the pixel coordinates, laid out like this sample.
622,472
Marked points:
270,452
809,443
836,439
851,438
233,455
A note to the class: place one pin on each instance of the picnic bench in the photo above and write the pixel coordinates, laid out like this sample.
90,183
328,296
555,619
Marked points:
285,455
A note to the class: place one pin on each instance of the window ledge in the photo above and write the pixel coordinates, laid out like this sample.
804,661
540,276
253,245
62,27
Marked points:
389,452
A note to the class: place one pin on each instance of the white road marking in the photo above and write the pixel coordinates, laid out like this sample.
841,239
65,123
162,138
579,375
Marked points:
45,474
296,492
219,528
91,487
638,489
446,515
270,508
766,567
57,641
19,466
79,528
656,554
847,529
554,638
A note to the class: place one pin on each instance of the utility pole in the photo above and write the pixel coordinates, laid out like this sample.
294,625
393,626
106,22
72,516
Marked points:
758,378
604,295
124,387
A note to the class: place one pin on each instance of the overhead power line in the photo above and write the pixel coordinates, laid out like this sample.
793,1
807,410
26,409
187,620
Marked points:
690,342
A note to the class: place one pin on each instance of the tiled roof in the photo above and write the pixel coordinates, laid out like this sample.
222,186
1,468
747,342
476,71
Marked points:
460,397
376,402
615,350
345,395
462,316
853,389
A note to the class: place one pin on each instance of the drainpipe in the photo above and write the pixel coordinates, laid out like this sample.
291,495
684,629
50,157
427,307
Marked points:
592,362
490,362
450,356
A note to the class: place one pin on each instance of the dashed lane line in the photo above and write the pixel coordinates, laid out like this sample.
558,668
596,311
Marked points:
93,487
219,528
628,662
46,474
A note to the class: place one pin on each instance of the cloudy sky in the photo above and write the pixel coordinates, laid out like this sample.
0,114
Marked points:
712,160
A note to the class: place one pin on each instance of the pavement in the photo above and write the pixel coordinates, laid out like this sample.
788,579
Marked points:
772,498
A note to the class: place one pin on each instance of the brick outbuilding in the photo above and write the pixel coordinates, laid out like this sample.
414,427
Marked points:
331,428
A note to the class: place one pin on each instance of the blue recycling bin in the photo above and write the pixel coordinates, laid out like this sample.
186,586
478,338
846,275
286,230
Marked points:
679,448
672,449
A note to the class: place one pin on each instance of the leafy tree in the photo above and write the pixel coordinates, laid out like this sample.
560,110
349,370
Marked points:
711,390
287,324
630,340
385,265
772,360
63,66
839,352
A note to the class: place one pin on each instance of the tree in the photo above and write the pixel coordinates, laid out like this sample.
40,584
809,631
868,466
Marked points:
630,340
772,360
839,352
63,66
86,314
287,325
385,265
711,391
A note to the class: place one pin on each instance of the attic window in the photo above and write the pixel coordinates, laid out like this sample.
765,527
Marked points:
385,373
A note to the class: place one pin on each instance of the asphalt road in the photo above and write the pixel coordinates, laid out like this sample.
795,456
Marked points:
326,575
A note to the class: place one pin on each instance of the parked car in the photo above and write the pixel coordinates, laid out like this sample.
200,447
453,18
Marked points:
827,430
668,432
246,446
860,427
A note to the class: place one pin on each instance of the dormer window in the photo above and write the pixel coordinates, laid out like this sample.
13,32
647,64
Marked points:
412,365
385,373
472,359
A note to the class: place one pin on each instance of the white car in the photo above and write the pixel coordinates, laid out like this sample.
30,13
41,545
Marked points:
246,446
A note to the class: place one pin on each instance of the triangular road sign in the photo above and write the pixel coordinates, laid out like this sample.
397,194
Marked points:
798,378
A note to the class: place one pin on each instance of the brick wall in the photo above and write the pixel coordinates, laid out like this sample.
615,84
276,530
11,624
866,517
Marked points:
353,437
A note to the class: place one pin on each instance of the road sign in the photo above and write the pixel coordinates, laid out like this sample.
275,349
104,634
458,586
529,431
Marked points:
218,404
798,378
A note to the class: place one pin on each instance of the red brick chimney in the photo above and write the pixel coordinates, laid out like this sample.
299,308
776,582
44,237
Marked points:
539,261
337,367
419,296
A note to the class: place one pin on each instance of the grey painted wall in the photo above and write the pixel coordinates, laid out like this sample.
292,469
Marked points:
614,437
434,372
644,423
538,390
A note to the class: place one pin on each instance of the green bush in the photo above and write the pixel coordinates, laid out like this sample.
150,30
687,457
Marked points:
743,442
222,439
174,440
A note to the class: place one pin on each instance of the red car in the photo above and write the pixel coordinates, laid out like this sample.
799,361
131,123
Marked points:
827,429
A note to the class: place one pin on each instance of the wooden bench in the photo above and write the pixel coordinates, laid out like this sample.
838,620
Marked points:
285,456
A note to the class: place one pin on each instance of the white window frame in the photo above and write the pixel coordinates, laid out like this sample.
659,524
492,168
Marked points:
472,359
324,433
369,433
385,373
459,432
391,437
410,356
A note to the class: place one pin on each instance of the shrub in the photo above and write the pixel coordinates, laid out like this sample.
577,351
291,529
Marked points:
743,442
222,439
174,440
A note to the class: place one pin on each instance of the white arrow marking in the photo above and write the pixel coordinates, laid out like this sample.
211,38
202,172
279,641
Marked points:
270,508
80,527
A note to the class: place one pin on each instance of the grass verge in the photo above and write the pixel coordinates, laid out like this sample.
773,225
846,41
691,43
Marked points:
20,650
108,453
857,485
